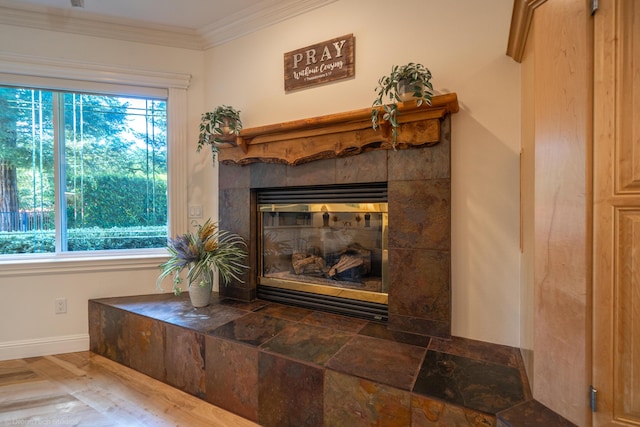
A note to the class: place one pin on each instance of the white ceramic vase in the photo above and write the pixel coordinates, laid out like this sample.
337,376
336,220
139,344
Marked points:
200,289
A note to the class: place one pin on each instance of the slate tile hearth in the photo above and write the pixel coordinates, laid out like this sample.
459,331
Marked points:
253,329
280,365
388,362
470,383
308,343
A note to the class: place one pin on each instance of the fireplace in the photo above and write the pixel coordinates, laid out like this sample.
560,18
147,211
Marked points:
409,257
325,247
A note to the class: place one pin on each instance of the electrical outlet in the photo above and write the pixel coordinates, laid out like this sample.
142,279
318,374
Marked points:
61,305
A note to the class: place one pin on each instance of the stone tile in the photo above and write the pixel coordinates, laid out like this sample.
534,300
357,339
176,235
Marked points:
308,343
426,412
531,414
146,346
484,351
268,175
164,308
185,360
381,361
289,393
287,312
232,201
233,176
206,319
114,335
321,172
334,321
365,167
244,305
382,331
232,376
420,214
141,304
422,290
95,325
430,163
419,325
356,402
252,329
476,385
240,291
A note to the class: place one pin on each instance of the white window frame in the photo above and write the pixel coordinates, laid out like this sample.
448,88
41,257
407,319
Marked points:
22,70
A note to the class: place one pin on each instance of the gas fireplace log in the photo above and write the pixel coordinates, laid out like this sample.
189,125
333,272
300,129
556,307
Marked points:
346,262
305,263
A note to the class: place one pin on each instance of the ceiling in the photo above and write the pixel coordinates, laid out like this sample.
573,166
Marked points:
199,23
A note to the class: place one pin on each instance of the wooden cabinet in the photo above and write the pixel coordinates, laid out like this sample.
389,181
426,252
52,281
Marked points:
581,205
616,171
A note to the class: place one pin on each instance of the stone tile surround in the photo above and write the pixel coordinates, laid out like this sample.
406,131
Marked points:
288,366
419,199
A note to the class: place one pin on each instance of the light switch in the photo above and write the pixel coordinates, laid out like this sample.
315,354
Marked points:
195,211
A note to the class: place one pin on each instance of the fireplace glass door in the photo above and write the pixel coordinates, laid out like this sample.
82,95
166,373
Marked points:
325,247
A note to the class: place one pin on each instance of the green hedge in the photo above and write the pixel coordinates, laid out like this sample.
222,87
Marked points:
85,239
121,201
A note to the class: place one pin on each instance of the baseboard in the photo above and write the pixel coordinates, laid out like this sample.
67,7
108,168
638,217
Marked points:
43,347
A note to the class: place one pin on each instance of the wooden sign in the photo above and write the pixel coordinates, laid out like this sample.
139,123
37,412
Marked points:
320,63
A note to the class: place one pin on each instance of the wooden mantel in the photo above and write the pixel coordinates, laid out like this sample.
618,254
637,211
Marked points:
339,135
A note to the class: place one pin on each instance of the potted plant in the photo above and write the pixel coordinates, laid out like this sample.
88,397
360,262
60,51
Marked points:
411,81
219,126
202,252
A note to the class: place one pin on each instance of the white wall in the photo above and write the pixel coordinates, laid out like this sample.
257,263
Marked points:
463,43
28,324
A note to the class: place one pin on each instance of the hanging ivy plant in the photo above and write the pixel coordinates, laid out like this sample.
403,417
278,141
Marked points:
217,126
413,80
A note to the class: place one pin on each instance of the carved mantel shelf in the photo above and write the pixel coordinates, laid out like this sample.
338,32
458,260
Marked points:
339,135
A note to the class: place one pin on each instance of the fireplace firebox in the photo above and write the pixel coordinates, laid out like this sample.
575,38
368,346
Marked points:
325,247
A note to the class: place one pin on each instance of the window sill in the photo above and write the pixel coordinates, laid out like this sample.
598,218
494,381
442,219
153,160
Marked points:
73,263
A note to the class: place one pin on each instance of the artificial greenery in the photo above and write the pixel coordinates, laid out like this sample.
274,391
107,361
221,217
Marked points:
415,78
209,248
214,125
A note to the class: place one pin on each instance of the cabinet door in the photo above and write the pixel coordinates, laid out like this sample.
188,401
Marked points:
616,262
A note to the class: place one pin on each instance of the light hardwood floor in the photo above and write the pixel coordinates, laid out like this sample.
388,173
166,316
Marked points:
84,389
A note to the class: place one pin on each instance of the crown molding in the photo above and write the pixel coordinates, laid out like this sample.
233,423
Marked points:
87,24
265,13
521,18
261,15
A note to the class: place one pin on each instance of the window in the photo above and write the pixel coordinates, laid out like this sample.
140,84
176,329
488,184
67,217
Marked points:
81,171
